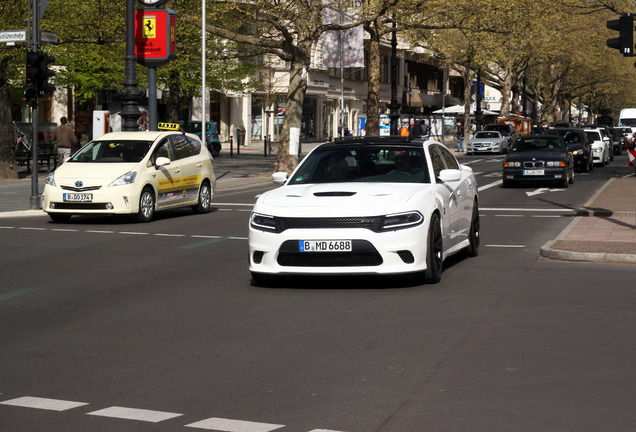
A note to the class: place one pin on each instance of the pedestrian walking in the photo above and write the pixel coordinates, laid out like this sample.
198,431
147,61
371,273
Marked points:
64,136
460,137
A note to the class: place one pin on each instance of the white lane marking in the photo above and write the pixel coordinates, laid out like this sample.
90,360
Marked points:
64,230
228,210
207,236
32,228
169,235
488,186
509,215
133,232
100,232
232,204
228,425
135,414
546,216
323,430
6,227
237,238
506,246
43,403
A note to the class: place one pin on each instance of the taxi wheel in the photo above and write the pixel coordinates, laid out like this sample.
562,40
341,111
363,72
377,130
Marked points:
205,196
146,205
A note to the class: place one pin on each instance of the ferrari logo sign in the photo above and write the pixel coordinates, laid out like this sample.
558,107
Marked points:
149,28
155,40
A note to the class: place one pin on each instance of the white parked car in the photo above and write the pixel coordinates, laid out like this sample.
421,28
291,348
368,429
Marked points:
600,146
132,173
372,205
487,142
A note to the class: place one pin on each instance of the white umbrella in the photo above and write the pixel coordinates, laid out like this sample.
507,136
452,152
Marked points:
459,109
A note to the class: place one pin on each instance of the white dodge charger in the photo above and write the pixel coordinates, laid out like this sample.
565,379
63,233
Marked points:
371,205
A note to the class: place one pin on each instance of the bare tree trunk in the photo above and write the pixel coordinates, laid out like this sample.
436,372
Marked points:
285,161
8,166
505,91
468,80
373,91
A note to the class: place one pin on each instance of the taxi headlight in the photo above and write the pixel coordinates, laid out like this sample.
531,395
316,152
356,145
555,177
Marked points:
128,178
50,179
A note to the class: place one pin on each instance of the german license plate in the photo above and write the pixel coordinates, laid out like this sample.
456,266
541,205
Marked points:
324,246
76,197
533,172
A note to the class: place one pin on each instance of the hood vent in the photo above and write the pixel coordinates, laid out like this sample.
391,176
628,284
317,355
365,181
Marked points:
334,194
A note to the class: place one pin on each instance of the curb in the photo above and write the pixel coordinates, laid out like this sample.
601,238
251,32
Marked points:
605,257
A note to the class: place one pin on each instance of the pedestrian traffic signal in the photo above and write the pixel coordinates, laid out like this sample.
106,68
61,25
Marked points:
37,75
625,42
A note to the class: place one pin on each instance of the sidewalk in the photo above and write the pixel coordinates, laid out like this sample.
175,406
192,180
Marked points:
604,229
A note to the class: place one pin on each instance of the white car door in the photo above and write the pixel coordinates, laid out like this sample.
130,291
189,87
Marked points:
452,193
463,192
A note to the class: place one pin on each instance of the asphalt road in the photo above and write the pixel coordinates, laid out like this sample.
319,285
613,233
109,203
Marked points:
109,325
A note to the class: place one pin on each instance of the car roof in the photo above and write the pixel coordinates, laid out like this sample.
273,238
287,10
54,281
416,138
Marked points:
380,140
140,135
540,136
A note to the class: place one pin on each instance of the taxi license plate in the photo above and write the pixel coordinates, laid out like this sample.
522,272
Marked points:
325,246
533,172
75,197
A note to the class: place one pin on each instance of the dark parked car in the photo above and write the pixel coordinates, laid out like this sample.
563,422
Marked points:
579,145
507,131
539,158
617,140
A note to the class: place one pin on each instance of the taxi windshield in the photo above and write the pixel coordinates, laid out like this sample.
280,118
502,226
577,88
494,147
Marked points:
112,151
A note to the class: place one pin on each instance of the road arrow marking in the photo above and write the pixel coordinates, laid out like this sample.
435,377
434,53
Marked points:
543,190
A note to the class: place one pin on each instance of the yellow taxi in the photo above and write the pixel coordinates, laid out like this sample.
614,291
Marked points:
132,173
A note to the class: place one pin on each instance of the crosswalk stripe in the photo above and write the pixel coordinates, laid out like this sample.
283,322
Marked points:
43,403
228,425
135,414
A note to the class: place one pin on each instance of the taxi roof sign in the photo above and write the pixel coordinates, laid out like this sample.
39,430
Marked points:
169,126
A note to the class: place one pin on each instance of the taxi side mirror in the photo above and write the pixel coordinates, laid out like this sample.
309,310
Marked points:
162,161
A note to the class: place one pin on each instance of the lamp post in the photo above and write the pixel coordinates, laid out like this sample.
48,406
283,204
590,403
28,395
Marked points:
410,95
130,94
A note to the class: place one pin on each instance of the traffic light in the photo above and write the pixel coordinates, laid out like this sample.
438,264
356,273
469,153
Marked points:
625,42
30,90
44,85
37,75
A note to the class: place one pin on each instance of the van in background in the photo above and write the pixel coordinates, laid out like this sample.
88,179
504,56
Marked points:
628,118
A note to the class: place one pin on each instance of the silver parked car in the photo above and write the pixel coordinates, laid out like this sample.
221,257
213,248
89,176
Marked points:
487,142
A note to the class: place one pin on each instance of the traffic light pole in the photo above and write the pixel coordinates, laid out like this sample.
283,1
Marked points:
35,201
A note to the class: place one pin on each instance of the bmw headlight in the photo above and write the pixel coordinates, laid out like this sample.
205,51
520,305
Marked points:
402,220
50,179
126,179
263,222
512,164
555,163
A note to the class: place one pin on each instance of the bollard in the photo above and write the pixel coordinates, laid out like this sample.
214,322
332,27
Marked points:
265,146
238,143
231,146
